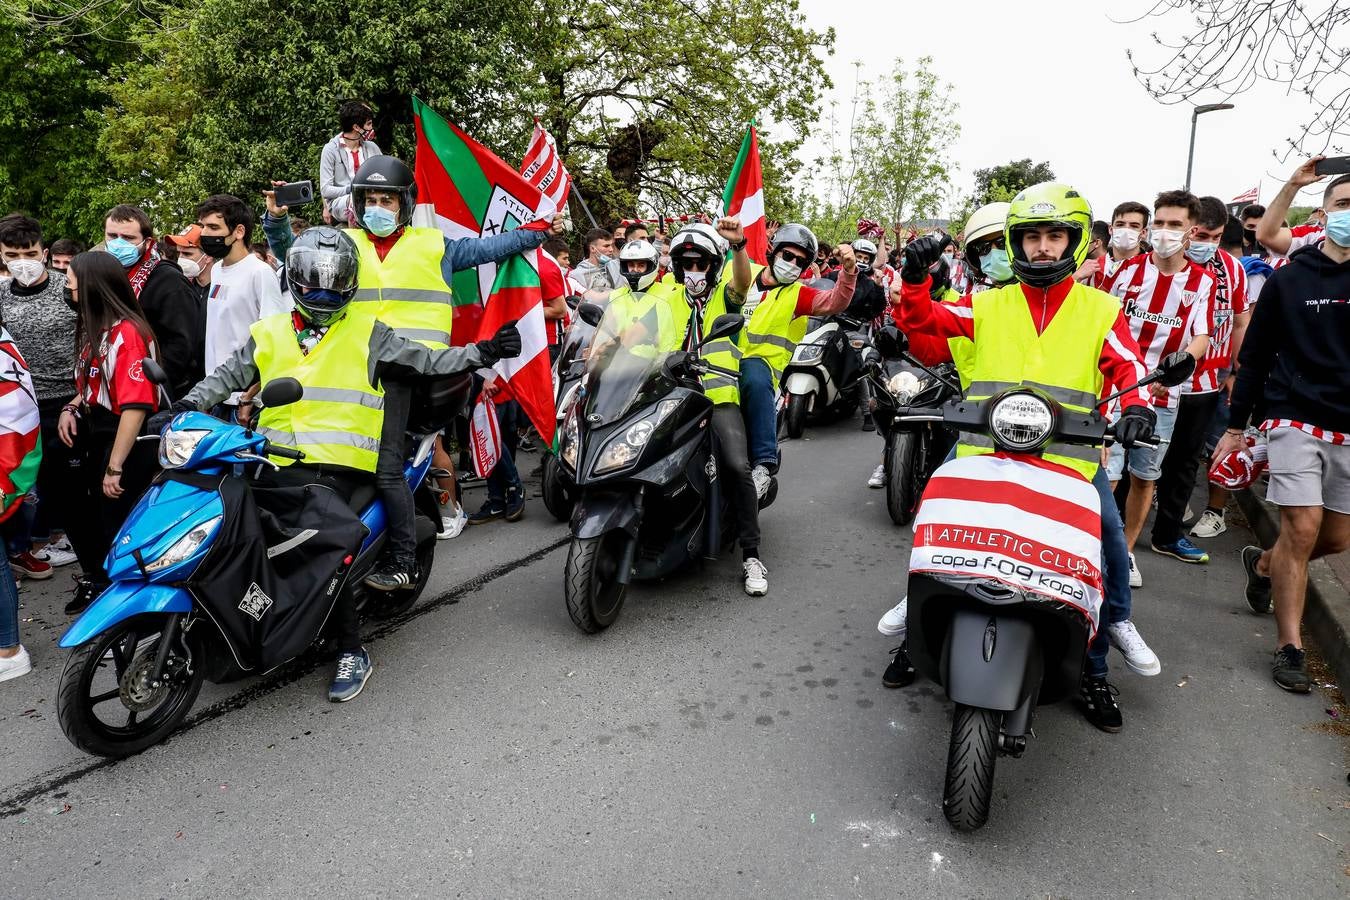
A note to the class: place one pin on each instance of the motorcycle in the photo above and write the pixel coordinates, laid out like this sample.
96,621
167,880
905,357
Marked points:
1004,577
213,578
822,379
556,485
638,446
912,450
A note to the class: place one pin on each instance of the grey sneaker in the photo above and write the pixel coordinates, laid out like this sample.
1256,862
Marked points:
353,671
1290,670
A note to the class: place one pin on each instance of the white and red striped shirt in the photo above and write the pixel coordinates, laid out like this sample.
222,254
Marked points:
1322,434
1230,301
114,379
1300,236
1164,311
1106,267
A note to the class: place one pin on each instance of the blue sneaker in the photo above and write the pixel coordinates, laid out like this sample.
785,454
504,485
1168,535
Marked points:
1183,550
353,671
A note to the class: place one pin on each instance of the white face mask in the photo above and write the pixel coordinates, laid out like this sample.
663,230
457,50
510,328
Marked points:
696,283
191,268
785,272
1166,243
1124,238
26,271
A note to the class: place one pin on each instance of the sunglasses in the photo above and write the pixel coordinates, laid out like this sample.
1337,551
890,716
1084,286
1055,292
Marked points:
795,258
695,263
982,247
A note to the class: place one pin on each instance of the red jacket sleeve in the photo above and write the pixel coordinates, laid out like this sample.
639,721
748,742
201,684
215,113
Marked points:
1122,363
128,388
815,302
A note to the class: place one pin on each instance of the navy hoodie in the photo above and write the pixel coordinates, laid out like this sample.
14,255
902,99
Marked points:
1295,359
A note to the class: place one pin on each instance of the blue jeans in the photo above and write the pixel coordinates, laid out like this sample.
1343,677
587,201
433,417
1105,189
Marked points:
504,477
759,405
1116,599
9,606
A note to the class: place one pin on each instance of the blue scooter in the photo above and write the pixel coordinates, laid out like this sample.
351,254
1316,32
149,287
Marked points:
172,618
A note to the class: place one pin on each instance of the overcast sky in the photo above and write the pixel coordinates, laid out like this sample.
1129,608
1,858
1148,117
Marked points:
1049,80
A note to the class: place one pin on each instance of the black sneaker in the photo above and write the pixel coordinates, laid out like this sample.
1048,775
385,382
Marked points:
487,512
1097,697
900,673
1290,670
86,592
515,505
1258,586
868,424
389,575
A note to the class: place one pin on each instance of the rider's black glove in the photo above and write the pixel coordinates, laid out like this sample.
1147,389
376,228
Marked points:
505,344
1136,424
160,420
921,253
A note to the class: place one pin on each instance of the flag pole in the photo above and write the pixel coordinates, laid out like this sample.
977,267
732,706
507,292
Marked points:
576,193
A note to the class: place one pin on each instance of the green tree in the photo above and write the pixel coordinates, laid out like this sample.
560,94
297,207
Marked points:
1001,183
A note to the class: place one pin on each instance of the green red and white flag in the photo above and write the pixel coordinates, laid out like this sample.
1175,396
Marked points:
744,197
469,192
20,451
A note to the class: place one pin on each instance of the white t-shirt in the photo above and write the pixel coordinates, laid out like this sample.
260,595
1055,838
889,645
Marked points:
240,294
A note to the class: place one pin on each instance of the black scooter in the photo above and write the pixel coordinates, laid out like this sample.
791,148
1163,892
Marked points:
638,446
1000,634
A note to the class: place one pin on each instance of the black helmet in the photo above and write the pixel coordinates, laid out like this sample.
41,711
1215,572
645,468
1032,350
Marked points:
384,173
322,270
796,236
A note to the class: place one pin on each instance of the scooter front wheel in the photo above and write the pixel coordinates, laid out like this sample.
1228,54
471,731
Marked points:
107,702
556,500
591,587
795,417
901,478
970,767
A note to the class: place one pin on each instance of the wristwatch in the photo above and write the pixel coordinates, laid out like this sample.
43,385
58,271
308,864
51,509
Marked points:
111,471
739,245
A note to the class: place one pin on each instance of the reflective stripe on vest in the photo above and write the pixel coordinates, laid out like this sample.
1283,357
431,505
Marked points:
725,353
339,418
775,329
406,289
1063,360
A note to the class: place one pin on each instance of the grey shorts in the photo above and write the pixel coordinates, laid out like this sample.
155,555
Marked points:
1308,471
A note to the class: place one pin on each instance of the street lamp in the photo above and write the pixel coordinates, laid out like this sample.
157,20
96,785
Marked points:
1195,114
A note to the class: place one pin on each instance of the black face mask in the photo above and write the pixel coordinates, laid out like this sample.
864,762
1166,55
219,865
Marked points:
214,246
69,297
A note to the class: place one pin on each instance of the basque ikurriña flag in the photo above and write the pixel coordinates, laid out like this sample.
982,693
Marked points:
744,197
469,192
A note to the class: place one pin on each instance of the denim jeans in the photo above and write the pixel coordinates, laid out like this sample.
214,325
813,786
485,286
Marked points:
9,606
504,478
759,405
1116,598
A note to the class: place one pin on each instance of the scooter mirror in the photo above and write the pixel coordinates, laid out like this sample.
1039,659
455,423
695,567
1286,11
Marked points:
890,342
573,301
154,372
591,314
1175,368
281,392
724,326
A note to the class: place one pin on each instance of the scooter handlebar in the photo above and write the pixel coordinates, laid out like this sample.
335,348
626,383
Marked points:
283,452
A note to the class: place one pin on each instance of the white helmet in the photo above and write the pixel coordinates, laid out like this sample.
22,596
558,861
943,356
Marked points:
639,279
698,239
985,221
863,245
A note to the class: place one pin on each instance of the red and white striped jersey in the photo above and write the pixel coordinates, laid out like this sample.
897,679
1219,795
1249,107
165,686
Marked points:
1107,266
1300,236
1164,311
1322,434
114,379
1230,301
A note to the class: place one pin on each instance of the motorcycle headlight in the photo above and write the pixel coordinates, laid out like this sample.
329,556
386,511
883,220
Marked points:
808,353
567,449
623,450
904,386
1021,422
184,547
176,447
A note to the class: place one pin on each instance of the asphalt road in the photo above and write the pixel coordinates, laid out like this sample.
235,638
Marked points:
709,744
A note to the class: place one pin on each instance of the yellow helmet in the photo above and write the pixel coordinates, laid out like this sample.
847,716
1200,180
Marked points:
1041,205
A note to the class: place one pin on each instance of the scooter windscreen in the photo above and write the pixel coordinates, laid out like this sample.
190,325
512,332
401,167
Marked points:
1027,526
624,365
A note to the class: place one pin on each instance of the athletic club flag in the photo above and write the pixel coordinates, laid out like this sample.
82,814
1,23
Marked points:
20,452
470,192
544,169
1025,523
744,197
1248,196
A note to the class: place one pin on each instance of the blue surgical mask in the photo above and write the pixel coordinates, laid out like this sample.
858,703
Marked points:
380,221
1338,228
1201,253
995,265
124,250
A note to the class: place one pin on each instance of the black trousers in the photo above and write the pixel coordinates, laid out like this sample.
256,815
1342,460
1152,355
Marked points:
1179,465
93,520
401,543
734,460
56,498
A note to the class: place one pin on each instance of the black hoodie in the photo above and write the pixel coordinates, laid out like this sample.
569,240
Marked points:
1295,359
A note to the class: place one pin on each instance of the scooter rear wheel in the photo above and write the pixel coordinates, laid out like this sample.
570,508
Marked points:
970,767
594,595
795,417
104,700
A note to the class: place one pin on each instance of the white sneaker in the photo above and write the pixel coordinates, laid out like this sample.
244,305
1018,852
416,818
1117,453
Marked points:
1136,579
16,665
1138,656
762,480
54,556
451,526
756,578
62,545
894,623
878,479
1211,524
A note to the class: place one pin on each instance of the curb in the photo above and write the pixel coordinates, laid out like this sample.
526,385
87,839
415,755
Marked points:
1327,613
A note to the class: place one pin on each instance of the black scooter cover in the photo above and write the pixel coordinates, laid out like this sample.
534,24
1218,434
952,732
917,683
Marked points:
270,610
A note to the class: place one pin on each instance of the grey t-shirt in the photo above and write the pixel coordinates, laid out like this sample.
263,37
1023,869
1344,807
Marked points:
43,327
